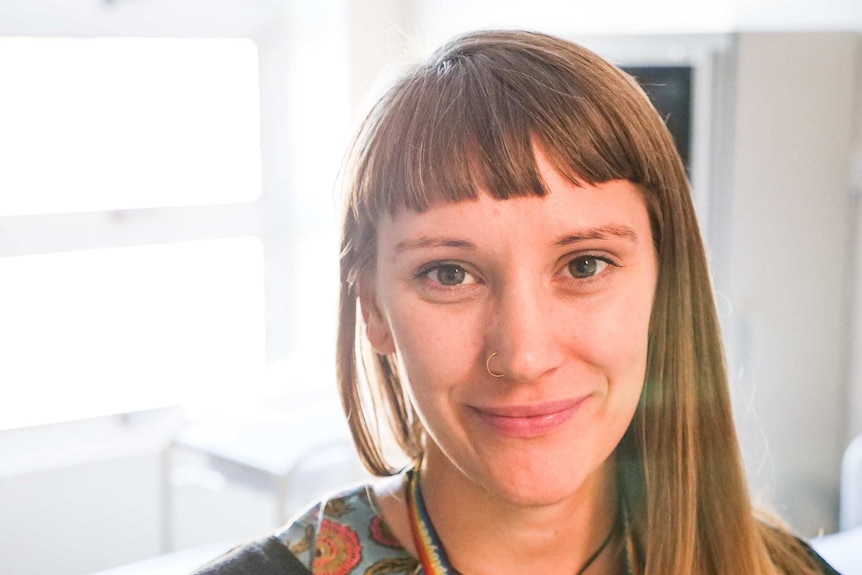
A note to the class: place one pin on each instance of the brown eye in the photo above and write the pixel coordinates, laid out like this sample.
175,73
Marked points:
586,266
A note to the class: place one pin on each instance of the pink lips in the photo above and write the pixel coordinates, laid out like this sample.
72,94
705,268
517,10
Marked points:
529,420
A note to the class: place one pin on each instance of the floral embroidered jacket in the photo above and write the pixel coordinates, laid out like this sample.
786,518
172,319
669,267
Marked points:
343,535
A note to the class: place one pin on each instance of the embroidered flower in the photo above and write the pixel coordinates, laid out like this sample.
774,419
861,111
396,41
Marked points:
336,550
301,545
337,508
392,565
381,534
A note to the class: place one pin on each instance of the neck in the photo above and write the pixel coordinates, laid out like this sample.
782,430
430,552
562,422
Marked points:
484,533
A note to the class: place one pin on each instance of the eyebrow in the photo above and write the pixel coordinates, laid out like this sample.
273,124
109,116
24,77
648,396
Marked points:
600,233
426,242
595,233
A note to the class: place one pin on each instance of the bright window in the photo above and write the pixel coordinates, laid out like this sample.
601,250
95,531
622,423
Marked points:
91,124
95,332
166,199
157,293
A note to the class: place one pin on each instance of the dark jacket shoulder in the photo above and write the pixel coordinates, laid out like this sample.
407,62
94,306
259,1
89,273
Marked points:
821,563
267,556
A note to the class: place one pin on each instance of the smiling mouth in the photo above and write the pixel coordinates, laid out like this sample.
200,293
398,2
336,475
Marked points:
529,420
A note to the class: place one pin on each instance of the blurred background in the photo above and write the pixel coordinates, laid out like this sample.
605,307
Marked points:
168,249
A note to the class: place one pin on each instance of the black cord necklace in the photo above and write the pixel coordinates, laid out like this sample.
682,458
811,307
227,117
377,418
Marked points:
601,548
431,553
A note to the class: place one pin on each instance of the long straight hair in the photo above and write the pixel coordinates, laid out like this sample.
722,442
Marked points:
467,119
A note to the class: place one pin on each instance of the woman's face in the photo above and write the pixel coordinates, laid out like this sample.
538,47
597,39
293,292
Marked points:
561,289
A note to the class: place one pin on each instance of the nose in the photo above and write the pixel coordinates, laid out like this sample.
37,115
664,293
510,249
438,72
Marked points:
523,333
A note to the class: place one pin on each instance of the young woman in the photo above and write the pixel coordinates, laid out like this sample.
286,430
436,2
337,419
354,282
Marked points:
528,343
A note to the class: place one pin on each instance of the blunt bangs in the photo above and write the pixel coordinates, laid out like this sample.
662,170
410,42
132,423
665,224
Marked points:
471,117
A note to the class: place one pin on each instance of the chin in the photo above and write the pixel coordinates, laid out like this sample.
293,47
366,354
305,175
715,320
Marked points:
540,487
533,499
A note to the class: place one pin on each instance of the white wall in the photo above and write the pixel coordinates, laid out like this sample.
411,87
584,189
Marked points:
790,265
437,20
107,507
777,15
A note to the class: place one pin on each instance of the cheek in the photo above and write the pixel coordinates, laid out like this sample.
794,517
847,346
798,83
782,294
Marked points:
435,357
616,349
434,345
616,332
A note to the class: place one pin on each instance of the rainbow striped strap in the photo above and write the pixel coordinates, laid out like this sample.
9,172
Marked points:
428,546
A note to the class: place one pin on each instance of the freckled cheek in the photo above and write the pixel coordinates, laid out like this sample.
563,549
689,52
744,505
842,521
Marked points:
436,348
615,337
437,361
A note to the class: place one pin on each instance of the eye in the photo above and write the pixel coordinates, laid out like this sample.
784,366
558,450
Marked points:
585,267
448,275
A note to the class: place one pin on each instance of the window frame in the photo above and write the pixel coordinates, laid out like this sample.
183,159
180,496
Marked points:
283,216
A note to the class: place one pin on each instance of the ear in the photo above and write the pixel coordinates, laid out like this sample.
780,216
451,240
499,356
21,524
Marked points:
376,327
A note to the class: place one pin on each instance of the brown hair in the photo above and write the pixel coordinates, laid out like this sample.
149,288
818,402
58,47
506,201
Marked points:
468,117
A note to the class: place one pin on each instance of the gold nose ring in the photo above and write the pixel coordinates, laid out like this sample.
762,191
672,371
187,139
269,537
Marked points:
488,366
